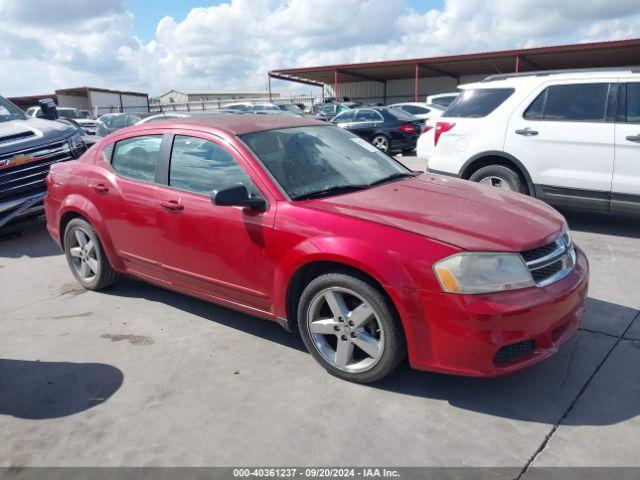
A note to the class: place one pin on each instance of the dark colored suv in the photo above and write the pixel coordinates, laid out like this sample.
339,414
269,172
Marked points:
28,147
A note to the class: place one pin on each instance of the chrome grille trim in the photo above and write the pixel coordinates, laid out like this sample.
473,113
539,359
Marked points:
563,256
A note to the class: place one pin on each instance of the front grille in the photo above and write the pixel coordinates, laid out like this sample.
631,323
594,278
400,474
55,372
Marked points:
514,352
549,263
28,178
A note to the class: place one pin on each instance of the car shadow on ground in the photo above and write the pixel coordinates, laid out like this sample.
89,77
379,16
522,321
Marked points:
603,223
38,390
27,239
533,395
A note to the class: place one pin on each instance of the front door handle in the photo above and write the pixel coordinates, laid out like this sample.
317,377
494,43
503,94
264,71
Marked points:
634,138
527,132
100,188
172,206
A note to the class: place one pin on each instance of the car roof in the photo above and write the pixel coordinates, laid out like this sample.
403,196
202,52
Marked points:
247,123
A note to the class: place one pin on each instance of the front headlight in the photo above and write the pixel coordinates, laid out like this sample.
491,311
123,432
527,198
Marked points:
76,145
482,272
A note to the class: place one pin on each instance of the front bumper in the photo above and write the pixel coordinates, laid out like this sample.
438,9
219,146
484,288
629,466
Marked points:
21,207
466,334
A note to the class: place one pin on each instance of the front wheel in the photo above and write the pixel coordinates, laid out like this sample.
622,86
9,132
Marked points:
382,143
350,328
499,176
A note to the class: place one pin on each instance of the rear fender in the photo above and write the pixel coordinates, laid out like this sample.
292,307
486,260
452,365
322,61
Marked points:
85,208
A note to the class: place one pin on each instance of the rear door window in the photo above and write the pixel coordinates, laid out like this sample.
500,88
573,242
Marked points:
348,116
570,103
478,103
137,157
368,115
633,102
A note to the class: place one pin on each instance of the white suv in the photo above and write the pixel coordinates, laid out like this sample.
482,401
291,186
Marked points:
570,138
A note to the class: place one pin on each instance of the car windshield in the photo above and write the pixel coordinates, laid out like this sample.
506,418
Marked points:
68,113
8,111
292,108
319,161
401,114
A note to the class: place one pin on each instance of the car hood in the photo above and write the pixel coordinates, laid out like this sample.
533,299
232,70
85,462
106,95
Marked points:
458,212
16,135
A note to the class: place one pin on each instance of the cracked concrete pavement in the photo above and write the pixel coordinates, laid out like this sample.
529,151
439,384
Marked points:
142,376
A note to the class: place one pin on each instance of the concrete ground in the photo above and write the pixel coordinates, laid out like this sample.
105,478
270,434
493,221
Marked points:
142,376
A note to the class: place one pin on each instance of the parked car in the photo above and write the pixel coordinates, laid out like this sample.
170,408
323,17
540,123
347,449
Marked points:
252,106
82,117
442,99
571,139
388,129
329,110
302,223
28,147
291,108
111,122
420,110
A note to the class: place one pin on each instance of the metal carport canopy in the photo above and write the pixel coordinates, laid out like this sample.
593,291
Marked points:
583,55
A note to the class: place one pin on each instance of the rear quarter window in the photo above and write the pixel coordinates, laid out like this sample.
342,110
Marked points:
478,102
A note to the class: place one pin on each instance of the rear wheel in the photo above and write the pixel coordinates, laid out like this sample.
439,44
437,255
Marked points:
499,176
382,143
86,257
350,328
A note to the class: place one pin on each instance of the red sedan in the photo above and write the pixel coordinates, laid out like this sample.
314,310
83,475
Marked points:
305,224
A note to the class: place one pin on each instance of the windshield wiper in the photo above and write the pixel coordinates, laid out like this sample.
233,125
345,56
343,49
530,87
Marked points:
391,177
334,190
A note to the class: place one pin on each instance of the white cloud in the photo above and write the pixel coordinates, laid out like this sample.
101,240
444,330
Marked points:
48,45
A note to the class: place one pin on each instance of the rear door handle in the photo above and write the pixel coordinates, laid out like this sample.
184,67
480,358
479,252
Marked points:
172,205
634,138
100,188
527,132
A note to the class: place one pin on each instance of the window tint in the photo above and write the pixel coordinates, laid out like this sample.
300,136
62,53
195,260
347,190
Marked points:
137,157
477,103
399,114
633,102
132,119
534,112
201,166
367,115
347,116
444,101
119,121
576,102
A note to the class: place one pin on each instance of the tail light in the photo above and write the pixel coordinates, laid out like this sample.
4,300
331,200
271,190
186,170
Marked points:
441,127
426,128
408,129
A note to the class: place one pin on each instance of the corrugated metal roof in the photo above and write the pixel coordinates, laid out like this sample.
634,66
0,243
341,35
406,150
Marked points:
583,55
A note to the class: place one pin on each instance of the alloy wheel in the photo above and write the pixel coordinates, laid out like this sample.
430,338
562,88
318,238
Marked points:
84,256
497,182
381,143
345,330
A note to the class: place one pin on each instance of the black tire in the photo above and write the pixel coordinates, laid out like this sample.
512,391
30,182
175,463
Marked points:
105,275
501,174
393,343
379,140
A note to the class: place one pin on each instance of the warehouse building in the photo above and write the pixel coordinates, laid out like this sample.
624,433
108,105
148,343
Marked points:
97,100
184,96
412,80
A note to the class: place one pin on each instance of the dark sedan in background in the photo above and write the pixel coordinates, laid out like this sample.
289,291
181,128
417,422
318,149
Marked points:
389,129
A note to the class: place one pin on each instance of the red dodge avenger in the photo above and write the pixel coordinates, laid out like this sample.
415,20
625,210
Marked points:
305,224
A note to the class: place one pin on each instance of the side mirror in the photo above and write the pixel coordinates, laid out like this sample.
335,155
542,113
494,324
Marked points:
238,196
48,109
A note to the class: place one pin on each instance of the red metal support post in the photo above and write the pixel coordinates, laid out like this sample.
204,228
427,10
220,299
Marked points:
335,84
517,63
415,86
